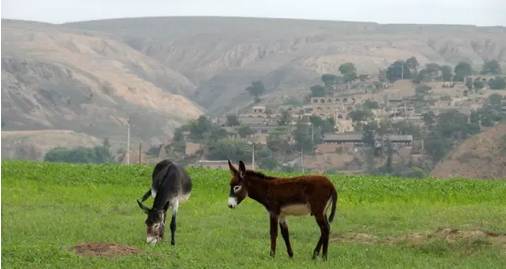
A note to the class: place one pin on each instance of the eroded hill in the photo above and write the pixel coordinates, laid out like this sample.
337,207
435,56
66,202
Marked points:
59,78
480,156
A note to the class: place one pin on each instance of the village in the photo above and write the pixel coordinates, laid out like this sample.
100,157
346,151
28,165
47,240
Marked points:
364,124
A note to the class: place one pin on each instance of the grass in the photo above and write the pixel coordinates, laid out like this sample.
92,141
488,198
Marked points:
48,208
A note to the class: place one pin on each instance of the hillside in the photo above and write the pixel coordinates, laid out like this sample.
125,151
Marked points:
480,156
58,78
33,145
91,76
221,55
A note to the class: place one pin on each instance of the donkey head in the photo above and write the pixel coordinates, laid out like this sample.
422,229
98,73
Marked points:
238,188
154,223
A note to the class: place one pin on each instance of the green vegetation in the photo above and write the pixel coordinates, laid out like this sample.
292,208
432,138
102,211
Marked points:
462,70
491,68
349,72
229,148
497,83
401,69
48,208
318,91
232,120
98,154
256,89
450,128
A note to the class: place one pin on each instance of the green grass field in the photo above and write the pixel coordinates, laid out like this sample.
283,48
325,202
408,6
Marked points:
48,208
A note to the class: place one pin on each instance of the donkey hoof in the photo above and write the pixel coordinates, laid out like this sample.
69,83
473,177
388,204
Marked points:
272,253
173,243
290,255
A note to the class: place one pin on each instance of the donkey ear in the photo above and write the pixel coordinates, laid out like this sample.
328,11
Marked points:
143,207
242,169
233,170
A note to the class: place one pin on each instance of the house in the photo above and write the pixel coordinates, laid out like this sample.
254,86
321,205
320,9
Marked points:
192,148
356,139
216,164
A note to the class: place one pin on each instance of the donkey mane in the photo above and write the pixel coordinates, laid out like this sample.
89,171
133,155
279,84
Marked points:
258,175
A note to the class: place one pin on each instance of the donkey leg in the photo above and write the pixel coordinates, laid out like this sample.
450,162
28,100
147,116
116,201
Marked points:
173,229
146,195
321,219
286,236
274,233
316,250
175,206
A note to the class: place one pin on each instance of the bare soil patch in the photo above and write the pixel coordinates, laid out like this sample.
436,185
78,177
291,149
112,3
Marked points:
104,249
450,235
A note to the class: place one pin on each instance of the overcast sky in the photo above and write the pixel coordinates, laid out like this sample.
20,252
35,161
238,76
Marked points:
477,12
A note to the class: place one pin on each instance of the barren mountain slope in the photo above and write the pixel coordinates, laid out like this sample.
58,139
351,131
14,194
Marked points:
57,78
223,55
480,156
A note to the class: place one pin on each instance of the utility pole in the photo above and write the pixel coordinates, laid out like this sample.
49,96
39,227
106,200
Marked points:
312,134
302,158
402,70
253,157
128,142
140,150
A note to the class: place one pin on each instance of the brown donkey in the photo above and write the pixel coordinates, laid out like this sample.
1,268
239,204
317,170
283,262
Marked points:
286,196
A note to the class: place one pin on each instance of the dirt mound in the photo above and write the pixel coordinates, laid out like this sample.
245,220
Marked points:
104,249
480,156
449,235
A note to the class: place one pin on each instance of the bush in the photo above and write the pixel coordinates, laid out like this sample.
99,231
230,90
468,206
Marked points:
97,154
497,83
231,149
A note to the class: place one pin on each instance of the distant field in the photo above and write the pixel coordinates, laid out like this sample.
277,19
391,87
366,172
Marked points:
380,222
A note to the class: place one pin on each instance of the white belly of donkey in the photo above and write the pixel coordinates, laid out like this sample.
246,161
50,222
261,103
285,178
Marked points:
295,210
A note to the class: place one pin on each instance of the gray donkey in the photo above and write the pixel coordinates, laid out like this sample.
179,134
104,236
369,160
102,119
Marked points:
171,185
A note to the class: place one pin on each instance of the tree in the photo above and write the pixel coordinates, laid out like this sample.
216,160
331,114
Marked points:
256,89
469,83
407,128
497,83
265,158
318,91
278,143
454,125
329,80
412,64
369,134
232,120
285,118
369,105
437,146
398,70
245,131
229,148
200,127
429,118
302,136
462,70
348,71
478,84
491,68
446,73
98,154
360,115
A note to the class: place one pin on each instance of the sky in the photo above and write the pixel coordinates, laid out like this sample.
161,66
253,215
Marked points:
475,12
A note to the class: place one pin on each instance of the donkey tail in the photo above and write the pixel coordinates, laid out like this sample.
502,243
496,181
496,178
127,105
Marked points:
334,205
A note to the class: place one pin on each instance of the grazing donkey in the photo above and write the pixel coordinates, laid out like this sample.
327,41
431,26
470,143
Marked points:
171,185
286,196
